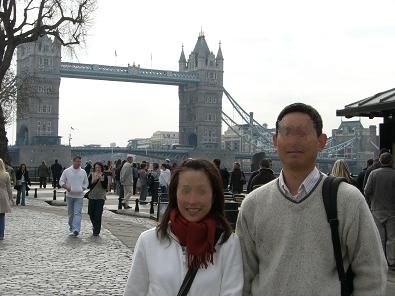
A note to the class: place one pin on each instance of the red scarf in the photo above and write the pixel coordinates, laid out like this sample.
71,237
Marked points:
198,237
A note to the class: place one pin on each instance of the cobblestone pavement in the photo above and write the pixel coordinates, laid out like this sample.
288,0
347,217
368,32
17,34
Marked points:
38,257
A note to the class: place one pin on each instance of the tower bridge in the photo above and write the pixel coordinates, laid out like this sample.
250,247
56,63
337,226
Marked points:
200,83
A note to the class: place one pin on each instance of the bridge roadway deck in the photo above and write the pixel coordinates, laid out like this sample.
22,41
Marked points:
126,74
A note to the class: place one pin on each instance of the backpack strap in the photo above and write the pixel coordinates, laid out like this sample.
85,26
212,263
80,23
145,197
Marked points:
329,195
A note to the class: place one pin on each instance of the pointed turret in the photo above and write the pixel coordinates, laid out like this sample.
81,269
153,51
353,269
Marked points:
182,62
219,53
219,60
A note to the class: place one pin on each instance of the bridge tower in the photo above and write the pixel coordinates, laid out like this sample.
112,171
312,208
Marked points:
200,108
38,72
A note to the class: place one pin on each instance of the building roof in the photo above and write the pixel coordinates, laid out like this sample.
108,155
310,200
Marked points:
201,48
379,105
351,124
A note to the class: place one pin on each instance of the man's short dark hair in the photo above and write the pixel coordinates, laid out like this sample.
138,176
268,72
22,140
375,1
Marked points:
302,108
265,163
76,157
369,162
217,162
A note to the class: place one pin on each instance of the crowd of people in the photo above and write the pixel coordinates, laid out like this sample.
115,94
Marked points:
284,242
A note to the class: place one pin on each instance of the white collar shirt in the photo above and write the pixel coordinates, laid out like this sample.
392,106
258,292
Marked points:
304,189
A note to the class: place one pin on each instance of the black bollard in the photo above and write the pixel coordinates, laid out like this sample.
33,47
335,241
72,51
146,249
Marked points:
35,192
54,195
137,209
64,196
151,210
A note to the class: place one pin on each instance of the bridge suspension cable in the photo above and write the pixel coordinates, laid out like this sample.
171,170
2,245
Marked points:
252,131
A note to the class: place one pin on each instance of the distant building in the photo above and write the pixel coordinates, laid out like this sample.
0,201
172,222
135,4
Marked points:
250,141
139,143
362,142
164,139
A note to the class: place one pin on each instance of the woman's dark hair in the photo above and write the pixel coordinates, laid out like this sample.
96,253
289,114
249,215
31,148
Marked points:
22,164
155,165
118,164
143,165
217,208
100,165
302,108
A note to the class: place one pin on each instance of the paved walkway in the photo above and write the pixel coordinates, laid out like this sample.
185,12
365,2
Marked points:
38,257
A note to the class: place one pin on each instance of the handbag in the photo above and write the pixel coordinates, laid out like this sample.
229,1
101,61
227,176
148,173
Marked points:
329,195
190,276
86,195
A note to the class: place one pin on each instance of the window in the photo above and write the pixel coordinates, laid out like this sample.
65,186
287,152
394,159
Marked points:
44,128
44,108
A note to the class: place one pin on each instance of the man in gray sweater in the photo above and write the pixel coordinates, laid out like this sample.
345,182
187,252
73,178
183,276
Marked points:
380,192
283,229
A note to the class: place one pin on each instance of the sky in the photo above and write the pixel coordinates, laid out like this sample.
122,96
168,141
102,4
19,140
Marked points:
323,53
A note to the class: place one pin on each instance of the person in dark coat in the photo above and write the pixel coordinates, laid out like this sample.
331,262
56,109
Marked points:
223,172
380,193
237,179
265,174
361,175
376,165
43,174
56,170
22,180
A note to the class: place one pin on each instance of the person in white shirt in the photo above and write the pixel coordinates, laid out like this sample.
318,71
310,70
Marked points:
75,181
126,179
193,235
164,180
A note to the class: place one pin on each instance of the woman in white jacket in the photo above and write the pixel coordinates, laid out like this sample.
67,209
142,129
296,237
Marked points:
193,234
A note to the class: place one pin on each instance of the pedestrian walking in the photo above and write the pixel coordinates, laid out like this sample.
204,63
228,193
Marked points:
153,183
223,173
97,196
237,179
340,169
194,237
88,167
285,236
143,176
135,177
361,175
56,169
22,182
117,175
5,196
164,180
126,179
75,181
376,165
380,192
264,176
43,174
108,171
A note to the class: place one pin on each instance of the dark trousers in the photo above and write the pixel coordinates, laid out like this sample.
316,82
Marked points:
55,182
43,182
135,185
95,211
155,191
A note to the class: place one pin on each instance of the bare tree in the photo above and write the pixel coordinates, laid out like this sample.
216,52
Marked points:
25,21
8,95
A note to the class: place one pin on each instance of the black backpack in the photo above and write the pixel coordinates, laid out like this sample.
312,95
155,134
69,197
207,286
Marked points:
329,195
